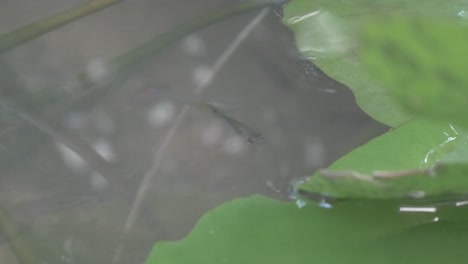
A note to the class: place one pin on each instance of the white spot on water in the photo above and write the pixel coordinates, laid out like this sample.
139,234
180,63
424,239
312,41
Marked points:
161,114
194,45
202,75
212,134
96,70
234,145
104,148
98,182
76,121
71,159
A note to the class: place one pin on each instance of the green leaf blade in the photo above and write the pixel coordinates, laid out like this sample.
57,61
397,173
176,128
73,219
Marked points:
331,38
419,61
260,230
420,158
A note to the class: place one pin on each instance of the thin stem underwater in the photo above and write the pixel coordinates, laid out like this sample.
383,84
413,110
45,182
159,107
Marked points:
167,140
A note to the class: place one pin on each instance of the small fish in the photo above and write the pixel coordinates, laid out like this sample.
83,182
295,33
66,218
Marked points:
242,129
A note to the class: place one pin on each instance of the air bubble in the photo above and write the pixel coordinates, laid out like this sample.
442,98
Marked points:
301,203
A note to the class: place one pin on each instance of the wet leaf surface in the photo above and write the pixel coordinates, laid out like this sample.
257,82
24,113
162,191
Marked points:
329,34
418,159
417,59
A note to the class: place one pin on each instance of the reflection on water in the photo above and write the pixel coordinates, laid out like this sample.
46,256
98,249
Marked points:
442,150
60,198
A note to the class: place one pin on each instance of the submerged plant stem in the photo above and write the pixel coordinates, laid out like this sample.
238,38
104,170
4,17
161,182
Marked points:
21,249
123,65
87,153
24,34
167,140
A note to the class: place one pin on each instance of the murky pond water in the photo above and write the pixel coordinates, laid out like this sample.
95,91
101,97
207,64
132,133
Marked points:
101,179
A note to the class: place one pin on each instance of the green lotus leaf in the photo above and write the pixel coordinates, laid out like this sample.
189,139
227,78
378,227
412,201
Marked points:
420,61
329,34
418,159
260,230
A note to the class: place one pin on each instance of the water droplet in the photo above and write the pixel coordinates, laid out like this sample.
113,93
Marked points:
325,204
161,114
440,151
301,203
463,14
293,187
